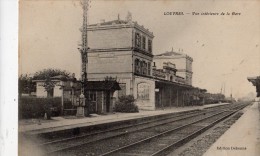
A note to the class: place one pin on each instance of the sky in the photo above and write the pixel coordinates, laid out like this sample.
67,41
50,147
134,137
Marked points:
225,48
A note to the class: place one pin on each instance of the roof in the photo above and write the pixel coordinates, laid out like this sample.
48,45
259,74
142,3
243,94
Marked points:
169,53
96,86
57,78
161,81
111,22
254,80
120,24
172,54
102,85
63,78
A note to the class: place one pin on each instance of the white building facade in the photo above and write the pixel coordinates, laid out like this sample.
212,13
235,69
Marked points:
124,50
182,62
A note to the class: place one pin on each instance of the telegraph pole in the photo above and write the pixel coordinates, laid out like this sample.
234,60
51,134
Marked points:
84,60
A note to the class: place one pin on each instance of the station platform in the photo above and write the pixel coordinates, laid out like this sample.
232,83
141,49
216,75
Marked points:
242,138
69,122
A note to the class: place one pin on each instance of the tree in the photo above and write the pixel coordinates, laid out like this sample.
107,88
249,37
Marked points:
25,84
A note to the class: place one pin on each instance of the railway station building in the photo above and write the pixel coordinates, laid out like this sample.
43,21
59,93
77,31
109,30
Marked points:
123,49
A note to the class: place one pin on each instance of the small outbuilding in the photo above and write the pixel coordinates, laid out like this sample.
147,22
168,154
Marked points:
99,94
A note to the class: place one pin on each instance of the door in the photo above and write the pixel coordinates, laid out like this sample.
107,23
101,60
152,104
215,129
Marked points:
92,102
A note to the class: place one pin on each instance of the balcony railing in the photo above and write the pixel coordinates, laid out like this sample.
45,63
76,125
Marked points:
159,73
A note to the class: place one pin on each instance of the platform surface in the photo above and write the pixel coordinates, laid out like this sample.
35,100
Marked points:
243,137
61,123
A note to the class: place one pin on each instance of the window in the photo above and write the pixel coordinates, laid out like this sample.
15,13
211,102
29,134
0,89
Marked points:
144,68
149,68
143,42
150,46
137,66
141,67
137,40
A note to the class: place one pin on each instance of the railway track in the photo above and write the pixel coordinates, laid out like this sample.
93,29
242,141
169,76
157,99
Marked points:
53,138
59,145
167,141
142,138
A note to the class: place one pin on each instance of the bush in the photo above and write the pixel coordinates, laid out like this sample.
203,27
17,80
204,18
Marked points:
32,107
126,104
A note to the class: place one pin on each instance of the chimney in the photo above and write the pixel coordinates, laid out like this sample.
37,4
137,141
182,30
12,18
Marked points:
154,66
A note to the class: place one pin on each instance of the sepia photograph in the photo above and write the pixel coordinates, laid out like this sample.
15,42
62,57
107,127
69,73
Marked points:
138,78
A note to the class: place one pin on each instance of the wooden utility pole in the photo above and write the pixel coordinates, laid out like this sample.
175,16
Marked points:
84,46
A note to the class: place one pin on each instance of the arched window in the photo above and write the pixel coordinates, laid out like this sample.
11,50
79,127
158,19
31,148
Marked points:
171,78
